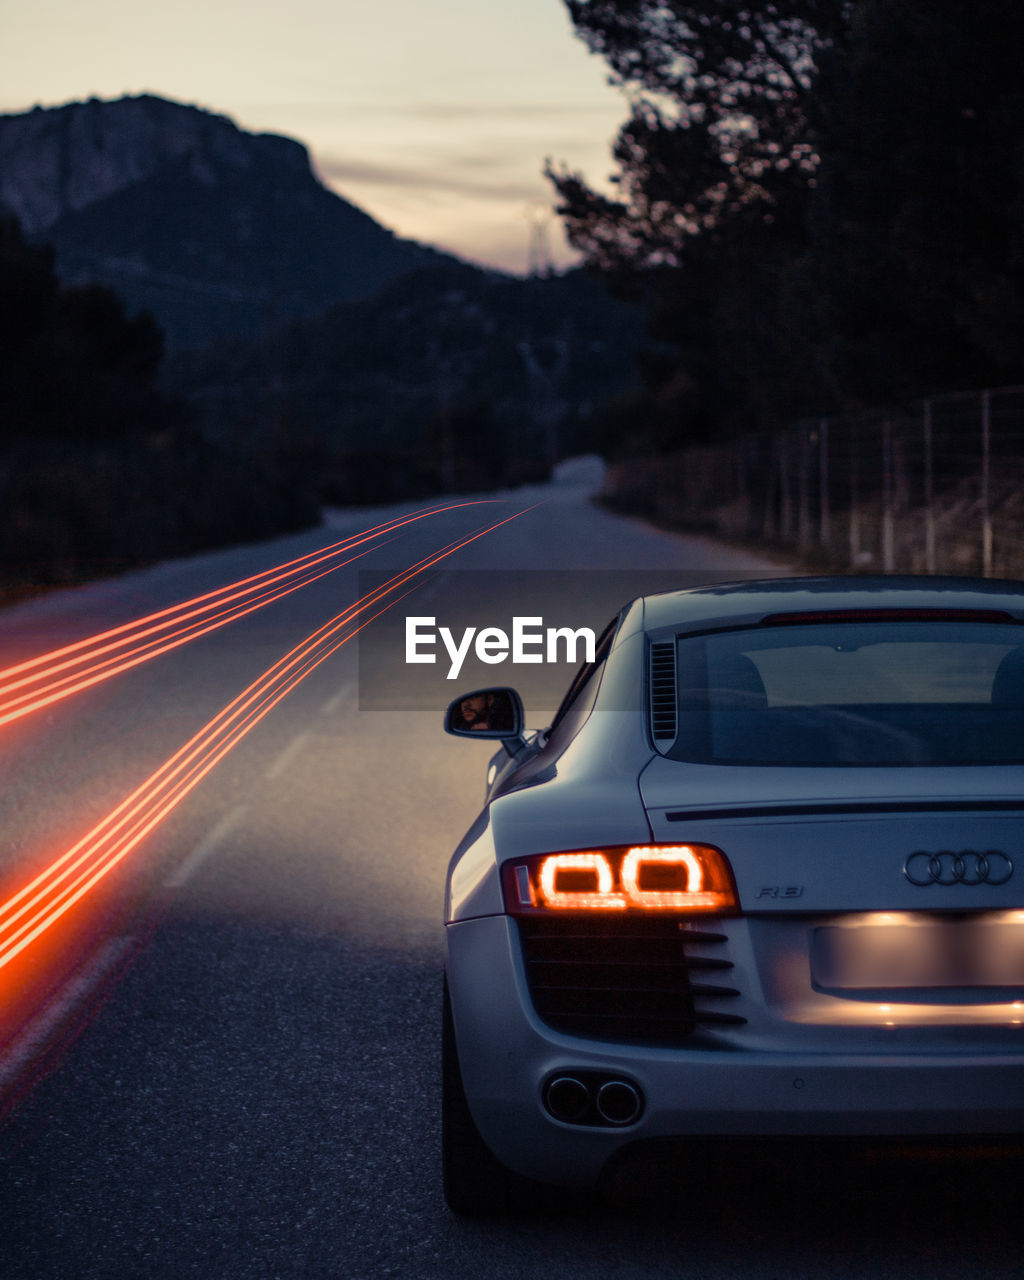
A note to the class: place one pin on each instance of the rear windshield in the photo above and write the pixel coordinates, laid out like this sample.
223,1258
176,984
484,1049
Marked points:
853,693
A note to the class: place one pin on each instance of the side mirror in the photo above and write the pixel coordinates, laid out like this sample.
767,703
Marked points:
487,713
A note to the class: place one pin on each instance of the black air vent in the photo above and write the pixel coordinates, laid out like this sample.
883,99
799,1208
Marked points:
663,693
640,980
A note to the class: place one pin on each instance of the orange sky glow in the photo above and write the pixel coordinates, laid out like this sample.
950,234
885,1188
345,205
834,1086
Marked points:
434,118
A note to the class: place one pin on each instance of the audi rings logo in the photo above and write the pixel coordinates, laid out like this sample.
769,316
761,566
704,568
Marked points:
966,867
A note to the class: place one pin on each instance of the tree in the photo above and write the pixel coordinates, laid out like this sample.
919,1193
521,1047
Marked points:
917,221
715,169
823,199
74,364
29,290
718,134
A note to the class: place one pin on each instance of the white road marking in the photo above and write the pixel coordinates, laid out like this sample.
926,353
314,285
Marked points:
207,846
33,1039
287,756
334,703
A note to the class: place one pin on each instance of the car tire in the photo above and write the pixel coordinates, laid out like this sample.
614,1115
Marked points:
476,1183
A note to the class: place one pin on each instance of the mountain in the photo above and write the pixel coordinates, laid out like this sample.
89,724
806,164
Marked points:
217,231
302,335
492,379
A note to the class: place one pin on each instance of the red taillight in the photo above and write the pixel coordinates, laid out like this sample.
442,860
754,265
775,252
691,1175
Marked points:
663,877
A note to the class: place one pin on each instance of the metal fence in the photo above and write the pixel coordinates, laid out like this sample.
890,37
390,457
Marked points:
939,489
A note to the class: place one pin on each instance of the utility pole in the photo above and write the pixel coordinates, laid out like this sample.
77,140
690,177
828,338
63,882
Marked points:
538,252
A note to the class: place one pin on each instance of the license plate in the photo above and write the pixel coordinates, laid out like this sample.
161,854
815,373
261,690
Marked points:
904,956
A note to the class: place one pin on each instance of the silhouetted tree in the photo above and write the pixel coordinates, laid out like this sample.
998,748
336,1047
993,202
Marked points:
74,364
98,469
820,200
715,169
917,223
718,133
29,291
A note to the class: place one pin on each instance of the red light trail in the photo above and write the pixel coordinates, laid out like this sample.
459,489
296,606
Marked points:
38,682
32,910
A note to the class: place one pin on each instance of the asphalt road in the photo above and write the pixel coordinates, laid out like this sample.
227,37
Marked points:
234,1069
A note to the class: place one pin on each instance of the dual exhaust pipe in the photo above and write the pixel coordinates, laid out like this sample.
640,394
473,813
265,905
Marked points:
592,1098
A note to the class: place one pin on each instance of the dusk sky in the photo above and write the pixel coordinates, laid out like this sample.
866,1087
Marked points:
436,117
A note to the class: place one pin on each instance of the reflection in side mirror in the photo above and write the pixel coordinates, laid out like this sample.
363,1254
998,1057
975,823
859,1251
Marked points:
486,713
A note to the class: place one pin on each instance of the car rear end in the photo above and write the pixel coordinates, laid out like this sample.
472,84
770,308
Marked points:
823,932
861,771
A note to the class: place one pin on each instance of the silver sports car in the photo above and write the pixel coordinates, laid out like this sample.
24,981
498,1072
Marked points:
762,875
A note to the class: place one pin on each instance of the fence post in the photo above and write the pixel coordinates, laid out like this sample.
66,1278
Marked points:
804,491
929,492
785,491
854,499
986,462
888,531
824,514
769,525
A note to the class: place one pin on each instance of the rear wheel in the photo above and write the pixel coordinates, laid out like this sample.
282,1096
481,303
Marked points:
476,1183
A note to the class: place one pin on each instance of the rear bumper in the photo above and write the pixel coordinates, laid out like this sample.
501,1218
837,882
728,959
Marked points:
507,1054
